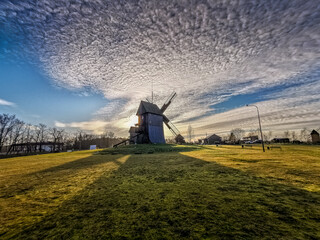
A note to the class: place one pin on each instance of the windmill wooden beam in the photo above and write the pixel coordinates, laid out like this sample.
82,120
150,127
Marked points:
168,102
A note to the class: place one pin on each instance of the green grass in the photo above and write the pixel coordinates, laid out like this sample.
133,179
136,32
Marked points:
149,149
163,192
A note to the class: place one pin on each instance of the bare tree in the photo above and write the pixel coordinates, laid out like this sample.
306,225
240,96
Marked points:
69,139
110,134
253,132
286,134
14,131
36,133
267,136
270,134
238,133
41,134
80,137
57,136
17,133
232,137
27,138
190,133
293,135
304,135
225,138
7,123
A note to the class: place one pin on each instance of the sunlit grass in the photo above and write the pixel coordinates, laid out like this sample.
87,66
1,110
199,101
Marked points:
163,192
34,186
292,164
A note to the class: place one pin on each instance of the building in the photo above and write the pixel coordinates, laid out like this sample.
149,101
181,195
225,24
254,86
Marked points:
149,128
315,137
150,124
35,147
250,138
213,139
280,140
133,131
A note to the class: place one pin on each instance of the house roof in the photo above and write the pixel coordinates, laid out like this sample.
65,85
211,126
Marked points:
314,132
37,143
146,107
132,129
213,135
249,137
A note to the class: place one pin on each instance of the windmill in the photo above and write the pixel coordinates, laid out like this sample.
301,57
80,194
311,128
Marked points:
149,128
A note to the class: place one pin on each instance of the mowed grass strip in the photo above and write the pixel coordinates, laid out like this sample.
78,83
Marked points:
207,192
34,186
296,165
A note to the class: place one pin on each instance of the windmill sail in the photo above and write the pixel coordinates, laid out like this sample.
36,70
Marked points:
175,132
171,127
178,137
168,102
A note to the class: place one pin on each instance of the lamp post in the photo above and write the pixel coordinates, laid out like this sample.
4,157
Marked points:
259,124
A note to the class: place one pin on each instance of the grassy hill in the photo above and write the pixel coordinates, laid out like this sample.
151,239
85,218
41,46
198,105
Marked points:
163,192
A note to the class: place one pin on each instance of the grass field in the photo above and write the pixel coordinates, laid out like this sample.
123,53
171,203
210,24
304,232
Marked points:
163,192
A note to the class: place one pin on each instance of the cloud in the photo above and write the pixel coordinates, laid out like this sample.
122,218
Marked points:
292,109
6,103
59,124
206,51
94,126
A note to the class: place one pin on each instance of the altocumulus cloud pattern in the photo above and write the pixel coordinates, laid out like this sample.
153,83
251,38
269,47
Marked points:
209,52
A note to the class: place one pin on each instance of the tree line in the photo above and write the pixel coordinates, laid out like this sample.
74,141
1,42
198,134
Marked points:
303,135
238,134
15,131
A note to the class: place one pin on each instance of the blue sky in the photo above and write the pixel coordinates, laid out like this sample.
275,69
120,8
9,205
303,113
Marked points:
36,99
86,64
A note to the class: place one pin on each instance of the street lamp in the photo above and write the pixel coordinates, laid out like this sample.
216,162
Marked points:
259,123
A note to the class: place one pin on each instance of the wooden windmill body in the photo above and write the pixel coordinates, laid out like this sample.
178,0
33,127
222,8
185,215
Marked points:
149,128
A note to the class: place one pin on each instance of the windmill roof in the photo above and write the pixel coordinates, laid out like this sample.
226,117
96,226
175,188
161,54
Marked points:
146,107
314,132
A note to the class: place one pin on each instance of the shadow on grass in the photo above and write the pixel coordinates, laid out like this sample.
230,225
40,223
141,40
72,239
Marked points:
177,196
233,147
149,148
78,164
29,182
